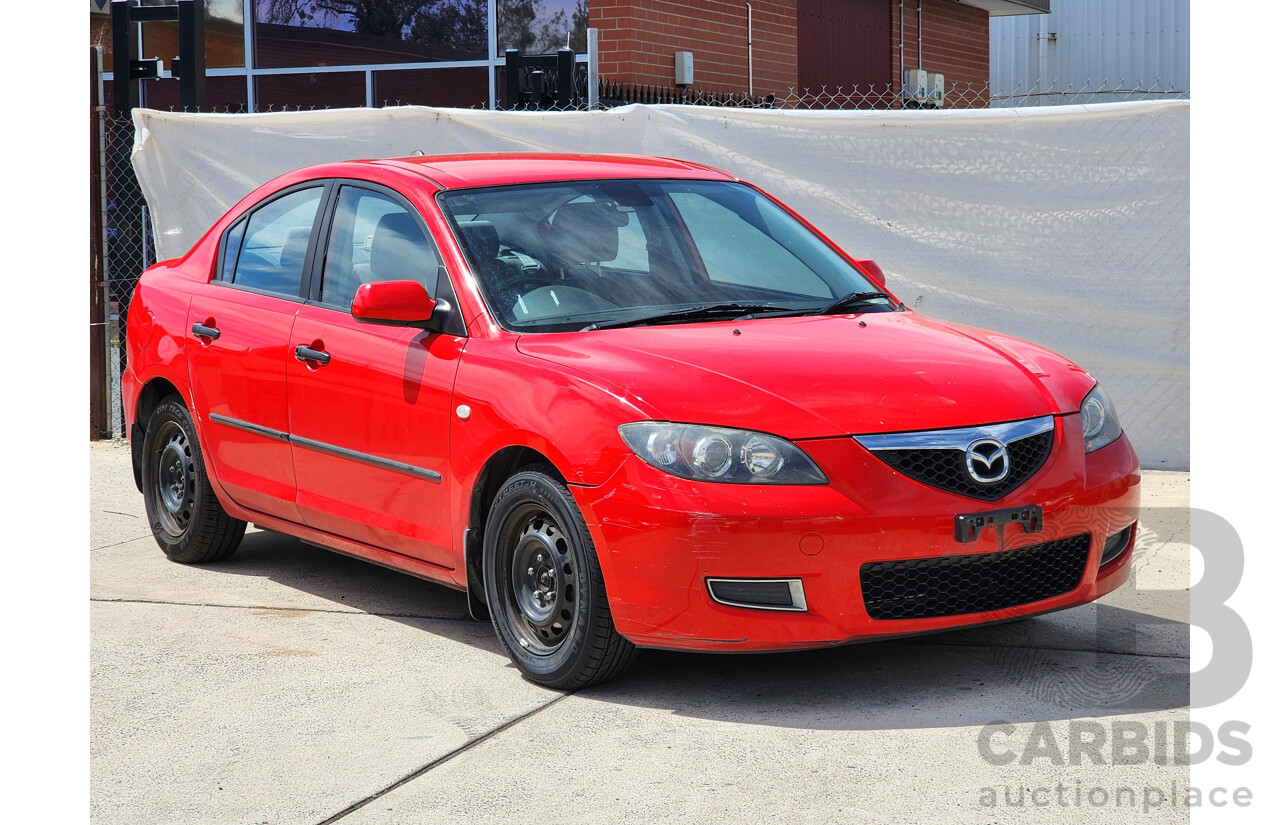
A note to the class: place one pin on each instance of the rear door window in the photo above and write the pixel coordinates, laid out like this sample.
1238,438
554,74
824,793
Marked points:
273,252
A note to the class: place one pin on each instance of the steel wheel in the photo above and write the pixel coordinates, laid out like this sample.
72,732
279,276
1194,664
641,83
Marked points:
186,518
174,473
544,588
543,581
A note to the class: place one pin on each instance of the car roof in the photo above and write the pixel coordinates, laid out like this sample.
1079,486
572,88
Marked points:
465,171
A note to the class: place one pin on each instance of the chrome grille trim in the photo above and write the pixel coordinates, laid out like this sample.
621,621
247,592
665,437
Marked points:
957,438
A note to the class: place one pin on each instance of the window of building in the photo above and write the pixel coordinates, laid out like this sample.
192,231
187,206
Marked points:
309,90
463,88
542,26
296,33
271,54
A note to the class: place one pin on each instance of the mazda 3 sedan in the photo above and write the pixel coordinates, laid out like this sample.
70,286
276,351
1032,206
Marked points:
621,402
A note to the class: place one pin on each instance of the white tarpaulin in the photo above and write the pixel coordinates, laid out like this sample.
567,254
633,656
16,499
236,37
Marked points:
1068,226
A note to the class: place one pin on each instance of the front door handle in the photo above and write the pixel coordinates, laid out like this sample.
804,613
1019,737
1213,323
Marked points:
307,355
202,331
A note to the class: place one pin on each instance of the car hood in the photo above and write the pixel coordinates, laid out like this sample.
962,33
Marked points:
812,377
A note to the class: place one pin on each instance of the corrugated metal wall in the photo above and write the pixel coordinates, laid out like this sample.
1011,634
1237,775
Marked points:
843,43
1109,49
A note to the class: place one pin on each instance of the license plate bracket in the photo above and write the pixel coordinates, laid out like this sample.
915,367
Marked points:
969,525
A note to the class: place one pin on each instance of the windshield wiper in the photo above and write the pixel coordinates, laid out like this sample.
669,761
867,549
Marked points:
852,300
706,312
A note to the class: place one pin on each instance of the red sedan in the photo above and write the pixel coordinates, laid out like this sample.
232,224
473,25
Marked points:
622,402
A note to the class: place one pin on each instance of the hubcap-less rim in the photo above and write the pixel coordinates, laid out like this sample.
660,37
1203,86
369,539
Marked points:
544,582
174,479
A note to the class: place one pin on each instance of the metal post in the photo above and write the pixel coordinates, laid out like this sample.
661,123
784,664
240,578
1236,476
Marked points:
250,59
99,386
565,91
511,99
191,85
593,68
124,50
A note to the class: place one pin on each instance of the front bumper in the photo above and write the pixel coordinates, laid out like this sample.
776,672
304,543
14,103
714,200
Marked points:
659,538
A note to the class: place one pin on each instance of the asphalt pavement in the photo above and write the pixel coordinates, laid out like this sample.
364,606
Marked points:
294,685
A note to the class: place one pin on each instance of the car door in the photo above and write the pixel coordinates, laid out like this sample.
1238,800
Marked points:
369,405
239,325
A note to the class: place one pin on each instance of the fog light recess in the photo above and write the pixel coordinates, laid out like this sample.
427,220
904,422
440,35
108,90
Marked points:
759,594
1116,543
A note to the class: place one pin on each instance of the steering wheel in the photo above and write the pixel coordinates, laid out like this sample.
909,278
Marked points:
528,283
515,288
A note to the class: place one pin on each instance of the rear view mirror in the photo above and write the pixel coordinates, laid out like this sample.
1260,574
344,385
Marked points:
872,270
398,303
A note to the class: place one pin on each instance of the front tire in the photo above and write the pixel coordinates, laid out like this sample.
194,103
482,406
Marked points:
544,587
186,519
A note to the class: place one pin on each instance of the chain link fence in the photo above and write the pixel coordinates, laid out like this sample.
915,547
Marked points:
128,246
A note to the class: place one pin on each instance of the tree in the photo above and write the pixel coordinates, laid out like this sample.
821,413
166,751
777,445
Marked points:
386,18
460,24
578,36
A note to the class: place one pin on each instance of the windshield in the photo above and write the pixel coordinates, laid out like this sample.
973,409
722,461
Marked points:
566,256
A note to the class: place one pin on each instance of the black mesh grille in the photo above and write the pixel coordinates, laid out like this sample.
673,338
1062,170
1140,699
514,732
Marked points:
946,468
956,585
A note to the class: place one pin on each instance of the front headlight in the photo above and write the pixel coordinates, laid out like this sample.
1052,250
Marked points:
701,453
1099,421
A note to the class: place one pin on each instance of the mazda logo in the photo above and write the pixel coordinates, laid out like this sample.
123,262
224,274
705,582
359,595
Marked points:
987,460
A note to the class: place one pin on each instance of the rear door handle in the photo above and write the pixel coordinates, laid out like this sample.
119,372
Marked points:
202,331
306,354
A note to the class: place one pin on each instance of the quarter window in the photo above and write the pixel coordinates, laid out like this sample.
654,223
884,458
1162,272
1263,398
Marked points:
274,250
374,238
231,252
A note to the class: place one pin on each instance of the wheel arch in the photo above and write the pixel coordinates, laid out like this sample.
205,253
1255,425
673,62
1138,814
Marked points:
151,395
499,467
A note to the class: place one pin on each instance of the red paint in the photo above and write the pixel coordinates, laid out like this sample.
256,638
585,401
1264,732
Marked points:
397,302
385,392
394,392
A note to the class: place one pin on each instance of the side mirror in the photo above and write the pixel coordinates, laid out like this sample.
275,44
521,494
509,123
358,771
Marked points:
397,303
872,270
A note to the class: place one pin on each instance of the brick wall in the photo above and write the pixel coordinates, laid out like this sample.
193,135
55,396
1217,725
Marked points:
956,41
638,42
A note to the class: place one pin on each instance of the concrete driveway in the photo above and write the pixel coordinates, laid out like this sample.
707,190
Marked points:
294,685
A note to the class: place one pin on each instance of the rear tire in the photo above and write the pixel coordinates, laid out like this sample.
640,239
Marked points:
544,587
186,519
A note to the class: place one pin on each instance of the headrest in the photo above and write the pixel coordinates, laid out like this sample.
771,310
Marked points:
481,238
400,251
293,250
586,232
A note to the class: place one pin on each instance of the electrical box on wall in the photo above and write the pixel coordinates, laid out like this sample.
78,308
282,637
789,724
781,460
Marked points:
915,86
684,68
937,90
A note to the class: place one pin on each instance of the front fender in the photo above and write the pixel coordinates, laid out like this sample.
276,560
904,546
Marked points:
514,400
